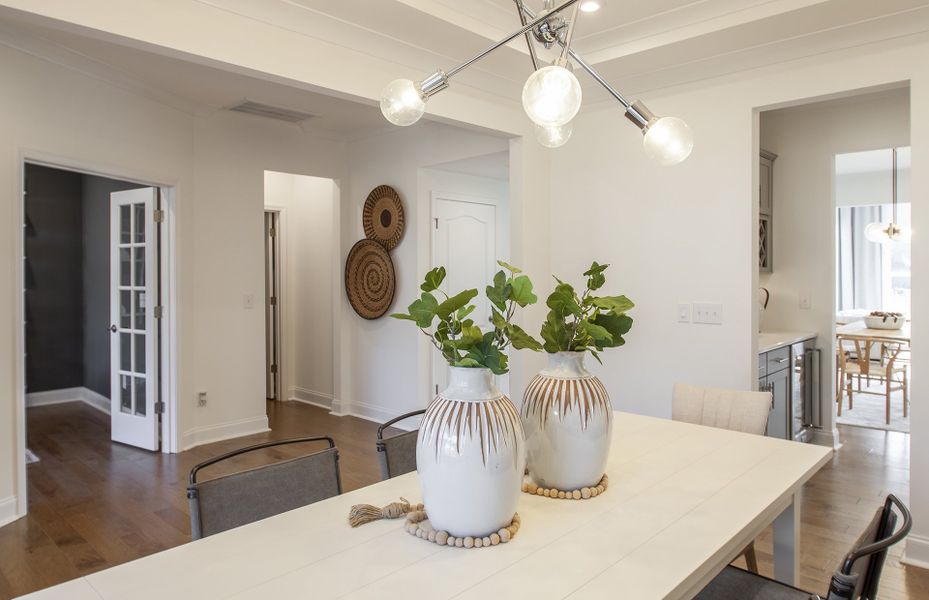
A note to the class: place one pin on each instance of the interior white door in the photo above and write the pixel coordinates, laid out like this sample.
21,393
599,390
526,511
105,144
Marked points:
464,241
133,281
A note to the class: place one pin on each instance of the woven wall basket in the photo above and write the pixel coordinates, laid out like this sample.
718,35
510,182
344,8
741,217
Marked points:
370,280
382,216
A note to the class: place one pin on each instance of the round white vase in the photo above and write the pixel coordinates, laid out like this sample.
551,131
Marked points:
470,456
568,422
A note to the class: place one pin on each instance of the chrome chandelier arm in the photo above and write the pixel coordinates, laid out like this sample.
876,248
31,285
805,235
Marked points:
635,112
522,19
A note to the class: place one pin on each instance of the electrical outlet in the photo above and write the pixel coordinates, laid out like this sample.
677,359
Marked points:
201,398
806,301
708,313
248,301
683,313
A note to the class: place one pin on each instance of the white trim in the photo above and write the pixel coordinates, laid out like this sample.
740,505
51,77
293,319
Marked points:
371,412
320,399
8,512
283,337
916,553
75,394
223,431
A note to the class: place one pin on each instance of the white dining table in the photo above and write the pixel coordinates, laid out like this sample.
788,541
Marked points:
684,500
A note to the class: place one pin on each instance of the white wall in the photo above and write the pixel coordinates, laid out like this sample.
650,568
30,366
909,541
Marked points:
806,140
689,233
217,164
307,206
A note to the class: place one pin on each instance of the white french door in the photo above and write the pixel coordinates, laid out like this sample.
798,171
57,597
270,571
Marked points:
464,241
133,295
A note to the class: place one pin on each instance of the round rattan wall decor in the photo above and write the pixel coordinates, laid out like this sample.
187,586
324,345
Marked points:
369,279
382,216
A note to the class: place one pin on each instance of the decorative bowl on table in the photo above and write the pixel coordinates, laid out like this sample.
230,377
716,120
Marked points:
884,320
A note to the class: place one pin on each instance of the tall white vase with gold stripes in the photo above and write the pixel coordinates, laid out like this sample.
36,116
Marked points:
568,421
470,455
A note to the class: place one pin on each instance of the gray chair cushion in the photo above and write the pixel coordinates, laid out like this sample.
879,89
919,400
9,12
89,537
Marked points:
235,500
736,584
397,454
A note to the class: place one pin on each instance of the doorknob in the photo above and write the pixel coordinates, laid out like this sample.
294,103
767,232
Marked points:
113,328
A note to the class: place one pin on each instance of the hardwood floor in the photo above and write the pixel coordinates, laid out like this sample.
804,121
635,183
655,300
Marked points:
95,504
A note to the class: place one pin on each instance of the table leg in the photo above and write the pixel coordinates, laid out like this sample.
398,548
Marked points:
786,539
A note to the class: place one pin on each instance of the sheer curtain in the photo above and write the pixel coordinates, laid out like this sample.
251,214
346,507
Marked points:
860,261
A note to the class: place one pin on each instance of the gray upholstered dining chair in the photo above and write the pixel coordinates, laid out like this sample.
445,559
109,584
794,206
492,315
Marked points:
735,410
397,454
241,498
856,578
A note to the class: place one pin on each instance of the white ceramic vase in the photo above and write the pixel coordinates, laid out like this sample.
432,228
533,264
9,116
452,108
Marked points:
568,421
470,455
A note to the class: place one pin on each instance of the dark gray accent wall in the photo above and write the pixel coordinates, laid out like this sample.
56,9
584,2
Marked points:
54,303
96,279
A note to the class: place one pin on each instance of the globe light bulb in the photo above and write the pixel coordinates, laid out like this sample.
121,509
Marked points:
668,141
553,137
402,103
876,232
552,96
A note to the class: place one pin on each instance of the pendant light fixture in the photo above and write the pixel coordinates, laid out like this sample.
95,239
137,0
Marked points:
882,233
552,95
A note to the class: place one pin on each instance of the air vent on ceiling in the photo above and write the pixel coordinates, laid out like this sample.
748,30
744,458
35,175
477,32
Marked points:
271,112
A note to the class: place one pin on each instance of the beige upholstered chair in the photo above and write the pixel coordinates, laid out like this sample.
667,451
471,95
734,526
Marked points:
735,410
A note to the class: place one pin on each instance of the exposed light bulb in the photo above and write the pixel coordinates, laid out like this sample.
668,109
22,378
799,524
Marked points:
402,102
553,137
552,96
668,141
590,6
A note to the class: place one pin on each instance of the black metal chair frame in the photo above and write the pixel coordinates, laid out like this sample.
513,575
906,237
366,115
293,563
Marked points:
192,478
380,430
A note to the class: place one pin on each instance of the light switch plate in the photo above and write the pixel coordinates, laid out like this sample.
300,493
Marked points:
708,313
248,301
806,301
683,313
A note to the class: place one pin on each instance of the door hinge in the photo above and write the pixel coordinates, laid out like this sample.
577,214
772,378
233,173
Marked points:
272,232
273,300
274,368
159,216
159,312
436,222
159,408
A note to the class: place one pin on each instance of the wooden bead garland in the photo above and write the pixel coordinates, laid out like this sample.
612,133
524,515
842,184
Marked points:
582,494
416,524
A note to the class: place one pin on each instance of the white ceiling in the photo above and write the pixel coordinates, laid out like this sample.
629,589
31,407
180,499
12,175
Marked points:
491,166
191,87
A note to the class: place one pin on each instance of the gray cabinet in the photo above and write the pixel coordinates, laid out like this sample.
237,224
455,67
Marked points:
766,211
791,373
777,381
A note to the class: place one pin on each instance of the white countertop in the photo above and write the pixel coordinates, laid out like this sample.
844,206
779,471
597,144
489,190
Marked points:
772,340
683,501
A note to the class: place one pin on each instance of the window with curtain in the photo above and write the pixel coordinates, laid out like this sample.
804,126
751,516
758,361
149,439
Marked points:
872,276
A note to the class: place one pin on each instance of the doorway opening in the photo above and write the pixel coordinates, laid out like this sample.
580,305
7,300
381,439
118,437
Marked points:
301,236
97,307
470,232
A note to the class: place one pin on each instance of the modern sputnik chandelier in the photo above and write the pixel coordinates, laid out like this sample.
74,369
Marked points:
552,94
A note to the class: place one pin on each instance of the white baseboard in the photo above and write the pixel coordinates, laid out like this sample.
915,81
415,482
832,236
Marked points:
75,394
8,512
829,439
299,394
916,553
370,412
223,431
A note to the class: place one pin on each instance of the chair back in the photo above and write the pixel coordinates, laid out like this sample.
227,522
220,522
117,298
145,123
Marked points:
735,410
230,501
397,454
858,576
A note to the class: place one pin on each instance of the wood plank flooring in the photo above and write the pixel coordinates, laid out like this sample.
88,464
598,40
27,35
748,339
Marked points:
95,504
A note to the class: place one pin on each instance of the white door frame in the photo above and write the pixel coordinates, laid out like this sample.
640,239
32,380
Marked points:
168,186
283,337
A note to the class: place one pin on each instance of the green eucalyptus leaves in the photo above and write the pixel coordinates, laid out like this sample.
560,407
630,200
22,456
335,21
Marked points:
586,322
456,336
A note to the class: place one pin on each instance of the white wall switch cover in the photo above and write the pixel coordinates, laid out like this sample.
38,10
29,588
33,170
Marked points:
708,313
248,301
683,313
806,301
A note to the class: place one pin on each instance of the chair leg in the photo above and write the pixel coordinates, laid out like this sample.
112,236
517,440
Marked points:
850,405
751,561
887,397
